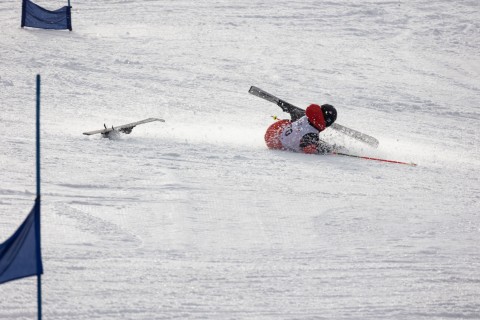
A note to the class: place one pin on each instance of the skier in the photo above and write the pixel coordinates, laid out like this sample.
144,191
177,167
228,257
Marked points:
301,133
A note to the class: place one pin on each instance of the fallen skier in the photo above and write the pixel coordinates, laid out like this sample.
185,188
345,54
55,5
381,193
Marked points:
297,113
301,133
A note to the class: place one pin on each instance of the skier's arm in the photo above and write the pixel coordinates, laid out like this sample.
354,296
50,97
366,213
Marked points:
309,143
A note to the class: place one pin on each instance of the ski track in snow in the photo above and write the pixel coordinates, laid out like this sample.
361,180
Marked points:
193,218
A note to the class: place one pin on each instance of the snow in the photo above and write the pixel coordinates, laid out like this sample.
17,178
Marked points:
194,218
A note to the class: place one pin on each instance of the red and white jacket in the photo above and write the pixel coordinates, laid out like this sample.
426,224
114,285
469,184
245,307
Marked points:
300,136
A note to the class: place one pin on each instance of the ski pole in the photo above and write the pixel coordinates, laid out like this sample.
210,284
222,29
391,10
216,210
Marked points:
375,159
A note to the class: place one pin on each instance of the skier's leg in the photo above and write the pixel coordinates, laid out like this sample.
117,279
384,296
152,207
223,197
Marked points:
295,112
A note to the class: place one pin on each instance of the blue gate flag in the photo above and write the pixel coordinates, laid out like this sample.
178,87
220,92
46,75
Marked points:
20,255
37,17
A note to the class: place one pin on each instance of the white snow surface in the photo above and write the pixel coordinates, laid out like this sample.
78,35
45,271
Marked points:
195,218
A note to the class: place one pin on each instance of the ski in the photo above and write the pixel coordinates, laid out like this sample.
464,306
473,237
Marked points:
269,97
365,138
125,128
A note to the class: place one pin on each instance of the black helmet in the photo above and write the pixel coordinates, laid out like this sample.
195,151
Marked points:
329,114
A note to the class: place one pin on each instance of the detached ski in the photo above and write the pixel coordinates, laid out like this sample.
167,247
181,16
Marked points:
125,128
285,106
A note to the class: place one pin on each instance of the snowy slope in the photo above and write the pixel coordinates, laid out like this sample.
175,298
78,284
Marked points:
194,218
